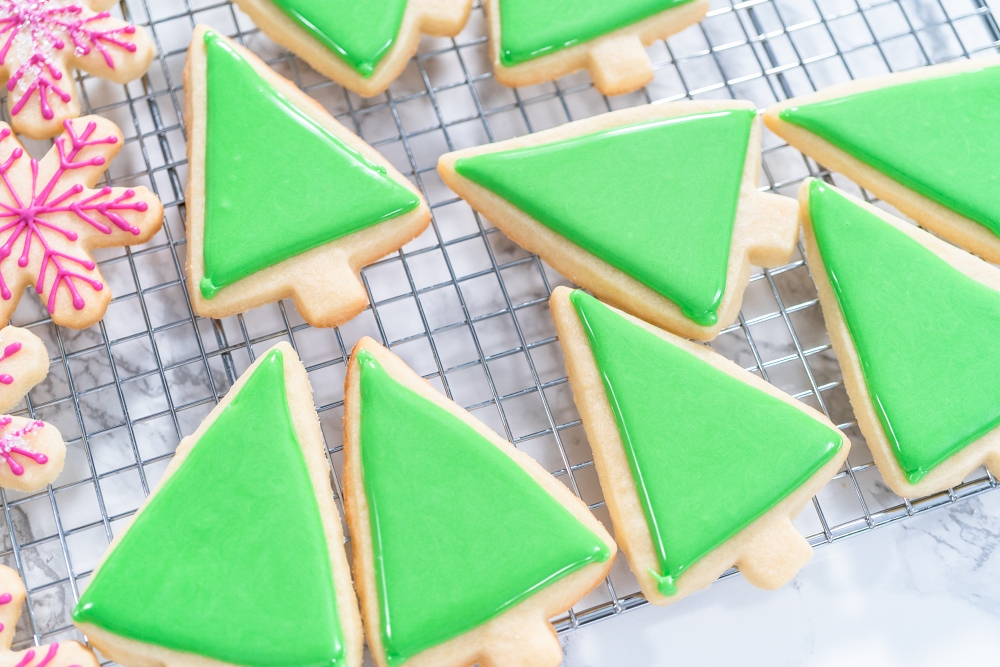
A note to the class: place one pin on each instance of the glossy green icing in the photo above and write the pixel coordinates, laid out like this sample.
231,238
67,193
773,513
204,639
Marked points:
460,533
359,32
277,183
939,137
532,28
926,333
229,559
709,453
656,200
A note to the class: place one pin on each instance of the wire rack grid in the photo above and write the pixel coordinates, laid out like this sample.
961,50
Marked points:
462,304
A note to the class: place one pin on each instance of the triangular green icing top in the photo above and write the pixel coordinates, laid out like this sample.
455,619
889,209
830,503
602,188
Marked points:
709,453
277,183
656,200
534,28
940,137
361,33
229,559
460,532
927,335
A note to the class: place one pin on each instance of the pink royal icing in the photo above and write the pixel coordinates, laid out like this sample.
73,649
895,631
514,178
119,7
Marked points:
7,378
29,214
13,443
36,30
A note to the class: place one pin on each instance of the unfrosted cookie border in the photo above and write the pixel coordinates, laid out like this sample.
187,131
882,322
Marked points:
769,552
438,18
617,61
298,392
26,367
764,233
323,282
943,221
521,635
985,451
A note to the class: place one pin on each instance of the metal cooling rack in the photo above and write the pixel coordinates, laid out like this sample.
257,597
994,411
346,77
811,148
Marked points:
462,304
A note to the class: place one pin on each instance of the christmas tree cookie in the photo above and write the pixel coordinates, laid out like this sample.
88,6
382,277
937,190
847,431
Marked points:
464,547
360,45
926,141
654,209
24,362
62,654
703,465
282,200
914,324
237,557
41,41
52,216
532,41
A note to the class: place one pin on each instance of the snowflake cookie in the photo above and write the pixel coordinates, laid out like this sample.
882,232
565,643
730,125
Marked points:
24,362
41,40
51,218
62,654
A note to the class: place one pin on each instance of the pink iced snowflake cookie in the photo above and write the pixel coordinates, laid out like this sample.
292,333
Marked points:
42,40
61,654
32,453
51,217
24,362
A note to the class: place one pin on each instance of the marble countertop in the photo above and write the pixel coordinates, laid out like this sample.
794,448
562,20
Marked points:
925,591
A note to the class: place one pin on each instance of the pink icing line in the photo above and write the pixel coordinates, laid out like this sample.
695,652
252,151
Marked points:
30,216
8,449
5,378
48,26
30,655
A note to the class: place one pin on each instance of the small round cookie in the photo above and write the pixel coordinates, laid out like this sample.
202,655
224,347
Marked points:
41,41
24,362
31,454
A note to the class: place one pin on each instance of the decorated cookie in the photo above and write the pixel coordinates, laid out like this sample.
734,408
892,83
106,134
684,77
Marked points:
62,654
42,40
361,46
32,454
532,41
52,217
655,209
282,200
914,324
464,547
703,464
24,362
237,557
926,141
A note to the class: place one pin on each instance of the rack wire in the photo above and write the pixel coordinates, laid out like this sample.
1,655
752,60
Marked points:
462,304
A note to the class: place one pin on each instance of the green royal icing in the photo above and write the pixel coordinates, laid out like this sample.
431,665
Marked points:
656,200
531,28
709,454
926,333
460,533
360,33
229,559
939,137
277,183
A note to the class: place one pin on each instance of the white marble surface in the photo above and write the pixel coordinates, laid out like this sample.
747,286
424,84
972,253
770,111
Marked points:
925,591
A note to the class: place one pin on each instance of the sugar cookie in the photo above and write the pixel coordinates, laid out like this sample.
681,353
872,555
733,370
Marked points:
654,209
62,654
532,42
32,453
925,140
703,464
464,547
51,217
361,46
913,321
237,557
24,362
260,226
41,41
